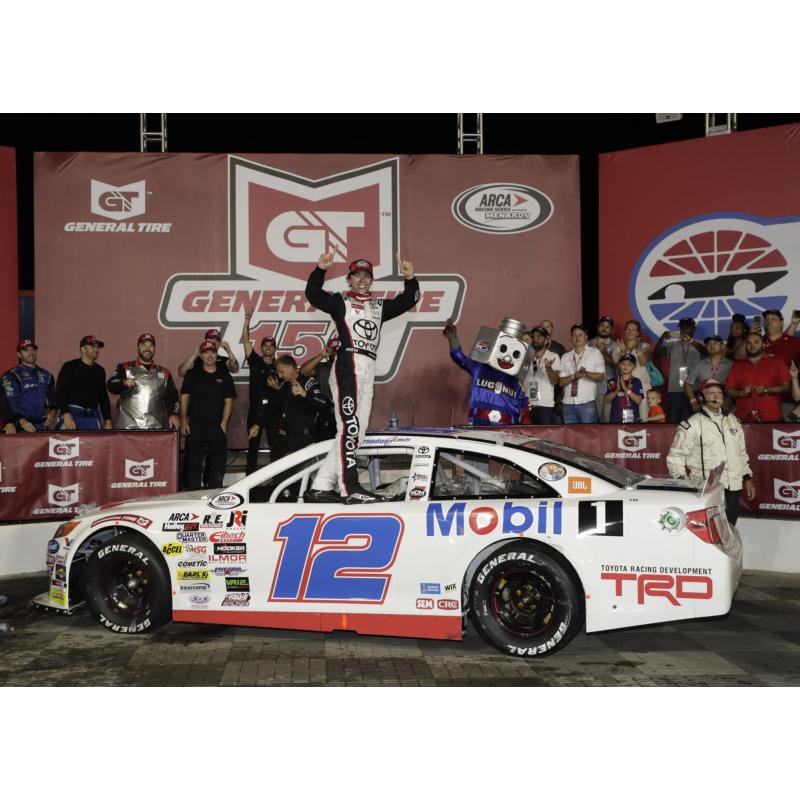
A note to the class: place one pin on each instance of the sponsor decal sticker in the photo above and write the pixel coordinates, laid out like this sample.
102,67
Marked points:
191,537
452,518
227,549
425,603
552,471
418,492
226,500
200,586
192,575
446,604
227,536
237,584
58,596
172,527
579,485
172,549
236,599
430,588
133,519
53,546
655,584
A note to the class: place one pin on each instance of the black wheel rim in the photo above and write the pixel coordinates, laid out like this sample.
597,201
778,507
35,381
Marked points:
523,602
125,587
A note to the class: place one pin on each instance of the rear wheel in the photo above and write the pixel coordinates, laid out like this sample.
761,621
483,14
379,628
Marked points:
126,585
525,602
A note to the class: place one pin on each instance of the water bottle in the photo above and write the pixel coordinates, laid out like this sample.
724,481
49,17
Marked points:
393,422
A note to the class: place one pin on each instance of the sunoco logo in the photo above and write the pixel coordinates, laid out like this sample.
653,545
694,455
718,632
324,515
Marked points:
712,267
502,208
279,224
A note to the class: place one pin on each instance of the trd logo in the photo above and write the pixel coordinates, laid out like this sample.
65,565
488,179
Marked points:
631,440
118,202
787,492
674,588
300,236
63,495
139,470
785,441
64,449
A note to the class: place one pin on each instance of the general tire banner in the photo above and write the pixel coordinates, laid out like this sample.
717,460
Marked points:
9,303
174,244
52,475
704,228
774,452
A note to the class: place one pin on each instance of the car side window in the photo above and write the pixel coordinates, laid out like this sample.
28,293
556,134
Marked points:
474,476
287,486
385,472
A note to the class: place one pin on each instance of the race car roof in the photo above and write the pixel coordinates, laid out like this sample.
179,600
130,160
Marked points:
490,435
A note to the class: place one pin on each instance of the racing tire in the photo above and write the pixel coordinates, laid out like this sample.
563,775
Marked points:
127,586
525,602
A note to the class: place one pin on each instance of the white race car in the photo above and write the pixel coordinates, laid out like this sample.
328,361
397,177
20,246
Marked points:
524,537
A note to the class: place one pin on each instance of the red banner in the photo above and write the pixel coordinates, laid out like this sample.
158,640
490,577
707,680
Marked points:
703,228
174,244
9,302
774,452
50,476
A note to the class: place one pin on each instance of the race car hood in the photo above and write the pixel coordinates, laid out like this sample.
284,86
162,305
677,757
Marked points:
175,497
672,484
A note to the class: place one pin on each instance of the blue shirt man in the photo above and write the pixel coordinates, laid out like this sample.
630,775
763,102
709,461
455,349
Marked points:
30,391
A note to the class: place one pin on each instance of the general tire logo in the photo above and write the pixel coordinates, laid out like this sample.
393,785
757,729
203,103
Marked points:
279,224
787,492
785,441
139,470
502,208
366,329
713,266
631,441
117,202
64,449
348,405
63,496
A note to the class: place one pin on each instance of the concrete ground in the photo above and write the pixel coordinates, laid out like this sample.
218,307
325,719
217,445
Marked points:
757,644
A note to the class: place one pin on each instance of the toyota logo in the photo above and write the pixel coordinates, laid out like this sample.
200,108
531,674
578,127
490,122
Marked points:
348,405
423,449
366,329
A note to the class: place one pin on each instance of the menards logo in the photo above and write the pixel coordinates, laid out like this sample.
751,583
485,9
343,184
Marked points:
279,224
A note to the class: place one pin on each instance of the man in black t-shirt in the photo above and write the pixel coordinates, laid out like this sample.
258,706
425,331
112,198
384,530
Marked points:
81,389
206,404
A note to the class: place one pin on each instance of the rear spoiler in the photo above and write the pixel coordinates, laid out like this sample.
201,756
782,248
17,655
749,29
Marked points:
713,480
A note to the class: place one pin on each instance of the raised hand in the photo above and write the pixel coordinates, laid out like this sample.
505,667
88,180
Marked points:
325,260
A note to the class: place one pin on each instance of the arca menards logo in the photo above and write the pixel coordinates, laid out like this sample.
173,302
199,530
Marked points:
279,224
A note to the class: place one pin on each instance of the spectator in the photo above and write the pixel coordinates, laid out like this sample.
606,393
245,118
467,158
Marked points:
631,342
684,355
715,366
320,367
757,382
625,393
605,344
195,362
655,413
553,345
783,345
706,440
148,399
206,404
581,369
734,347
794,414
81,387
6,415
543,379
29,392
261,417
299,400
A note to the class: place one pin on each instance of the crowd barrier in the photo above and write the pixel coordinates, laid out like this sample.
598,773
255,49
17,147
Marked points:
47,476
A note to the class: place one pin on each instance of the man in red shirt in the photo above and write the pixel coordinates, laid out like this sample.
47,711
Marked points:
781,344
757,382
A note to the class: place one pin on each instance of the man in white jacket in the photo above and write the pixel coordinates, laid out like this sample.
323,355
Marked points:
705,440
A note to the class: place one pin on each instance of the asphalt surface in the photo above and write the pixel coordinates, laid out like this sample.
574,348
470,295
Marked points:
757,644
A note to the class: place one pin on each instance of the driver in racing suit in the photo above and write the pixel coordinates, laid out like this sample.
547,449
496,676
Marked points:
358,320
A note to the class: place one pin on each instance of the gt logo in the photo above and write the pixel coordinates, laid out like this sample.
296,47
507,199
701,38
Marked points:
300,236
366,328
649,585
63,495
788,492
786,442
117,202
64,449
139,470
631,440
348,405
342,559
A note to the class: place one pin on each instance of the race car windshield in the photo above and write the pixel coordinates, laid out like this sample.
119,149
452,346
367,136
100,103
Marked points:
596,466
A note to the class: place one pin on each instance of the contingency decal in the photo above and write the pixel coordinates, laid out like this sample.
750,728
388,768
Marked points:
447,518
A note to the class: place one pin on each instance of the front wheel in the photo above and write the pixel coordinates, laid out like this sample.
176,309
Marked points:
127,585
525,602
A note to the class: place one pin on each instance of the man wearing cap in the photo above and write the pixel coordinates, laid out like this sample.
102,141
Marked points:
757,382
781,344
705,440
206,404
684,355
715,366
195,362
582,368
542,379
262,417
358,319
148,399
320,367
30,392
553,345
81,386
605,344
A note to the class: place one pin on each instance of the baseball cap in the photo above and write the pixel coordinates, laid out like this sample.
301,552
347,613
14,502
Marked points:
334,343
206,346
579,326
713,338
628,357
688,321
146,337
213,333
360,263
775,312
541,331
92,340
26,343
269,339
606,318
709,383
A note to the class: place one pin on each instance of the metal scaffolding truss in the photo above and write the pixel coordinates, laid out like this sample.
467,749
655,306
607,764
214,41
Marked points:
470,131
720,123
153,131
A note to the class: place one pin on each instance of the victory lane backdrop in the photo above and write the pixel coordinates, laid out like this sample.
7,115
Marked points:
174,244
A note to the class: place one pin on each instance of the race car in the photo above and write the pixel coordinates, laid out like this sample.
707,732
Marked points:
524,538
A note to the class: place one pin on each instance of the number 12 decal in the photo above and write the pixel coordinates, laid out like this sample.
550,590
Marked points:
343,559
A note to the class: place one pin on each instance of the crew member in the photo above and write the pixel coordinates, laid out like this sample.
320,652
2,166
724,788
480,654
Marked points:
195,362
358,320
705,440
148,399
6,415
320,367
81,387
206,404
30,392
